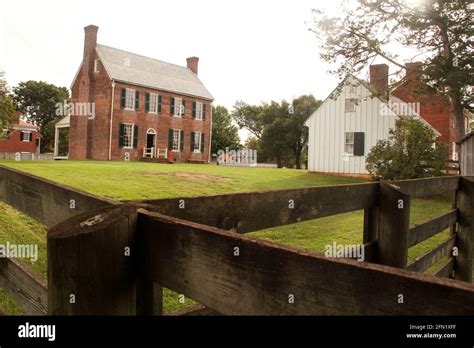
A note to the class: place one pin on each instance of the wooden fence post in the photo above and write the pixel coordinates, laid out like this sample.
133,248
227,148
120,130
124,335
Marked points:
393,226
91,265
149,294
464,265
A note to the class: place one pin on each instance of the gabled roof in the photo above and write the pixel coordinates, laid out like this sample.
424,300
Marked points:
138,70
375,94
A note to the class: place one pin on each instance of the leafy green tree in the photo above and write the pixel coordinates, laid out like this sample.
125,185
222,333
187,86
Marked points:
7,108
249,117
439,31
37,101
408,153
224,133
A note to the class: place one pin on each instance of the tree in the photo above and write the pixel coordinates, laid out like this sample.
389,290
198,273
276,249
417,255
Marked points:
7,108
408,153
441,31
224,133
297,135
37,100
249,117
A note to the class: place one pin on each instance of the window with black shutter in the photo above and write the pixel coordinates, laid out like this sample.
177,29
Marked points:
359,143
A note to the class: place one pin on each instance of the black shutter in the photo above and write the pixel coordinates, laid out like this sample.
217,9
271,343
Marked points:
135,136
147,102
184,107
170,140
137,98
202,142
194,109
203,111
31,137
181,140
121,133
172,106
159,103
192,141
21,136
122,97
359,143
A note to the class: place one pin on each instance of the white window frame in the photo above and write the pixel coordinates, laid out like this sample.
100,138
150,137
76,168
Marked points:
199,139
130,96
349,143
153,101
176,148
23,133
131,135
199,110
178,107
97,65
349,101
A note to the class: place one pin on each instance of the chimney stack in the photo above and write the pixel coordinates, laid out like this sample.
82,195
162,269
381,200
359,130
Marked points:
192,63
379,78
414,71
90,41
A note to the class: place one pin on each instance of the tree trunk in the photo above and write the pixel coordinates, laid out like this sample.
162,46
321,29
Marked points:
458,114
298,159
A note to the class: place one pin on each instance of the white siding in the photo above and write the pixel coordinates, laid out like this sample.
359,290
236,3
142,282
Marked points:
329,123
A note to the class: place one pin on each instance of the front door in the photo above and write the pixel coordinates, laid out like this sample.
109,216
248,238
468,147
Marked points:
150,145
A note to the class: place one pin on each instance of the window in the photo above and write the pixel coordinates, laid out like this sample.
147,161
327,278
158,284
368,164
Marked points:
349,143
349,105
26,137
97,65
176,139
128,135
153,103
129,99
197,141
198,111
178,107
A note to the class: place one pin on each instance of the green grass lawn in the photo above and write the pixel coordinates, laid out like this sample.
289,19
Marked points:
139,180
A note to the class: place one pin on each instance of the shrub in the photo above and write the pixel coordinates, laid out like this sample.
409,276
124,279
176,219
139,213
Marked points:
408,153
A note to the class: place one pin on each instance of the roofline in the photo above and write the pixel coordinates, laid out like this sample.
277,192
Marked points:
164,90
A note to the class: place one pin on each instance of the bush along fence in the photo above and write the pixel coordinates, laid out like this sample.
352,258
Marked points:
115,258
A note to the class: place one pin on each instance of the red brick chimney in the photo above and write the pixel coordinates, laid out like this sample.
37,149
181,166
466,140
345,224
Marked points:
379,78
414,71
193,64
90,41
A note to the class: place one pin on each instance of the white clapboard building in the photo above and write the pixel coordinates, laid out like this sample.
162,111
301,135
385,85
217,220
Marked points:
351,120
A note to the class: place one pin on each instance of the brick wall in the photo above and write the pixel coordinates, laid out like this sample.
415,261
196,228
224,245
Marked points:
15,144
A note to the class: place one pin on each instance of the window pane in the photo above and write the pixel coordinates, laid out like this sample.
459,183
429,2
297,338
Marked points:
130,98
176,139
128,135
153,102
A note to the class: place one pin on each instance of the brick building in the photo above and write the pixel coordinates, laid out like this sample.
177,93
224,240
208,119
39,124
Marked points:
142,106
20,137
434,108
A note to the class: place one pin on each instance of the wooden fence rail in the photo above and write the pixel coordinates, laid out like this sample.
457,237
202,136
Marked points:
114,258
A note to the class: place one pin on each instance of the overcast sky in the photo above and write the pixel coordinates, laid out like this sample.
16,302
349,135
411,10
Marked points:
253,50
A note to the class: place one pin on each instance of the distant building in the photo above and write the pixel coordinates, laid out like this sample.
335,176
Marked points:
354,117
20,137
142,106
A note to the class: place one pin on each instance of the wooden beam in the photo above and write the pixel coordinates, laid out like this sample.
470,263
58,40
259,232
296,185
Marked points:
236,274
394,221
465,260
447,269
90,271
26,288
422,232
425,261
193,310
251,211
428,187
